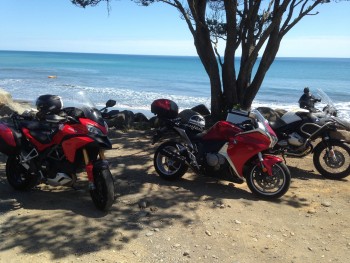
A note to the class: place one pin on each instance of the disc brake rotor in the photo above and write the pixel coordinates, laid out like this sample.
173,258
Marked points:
335,161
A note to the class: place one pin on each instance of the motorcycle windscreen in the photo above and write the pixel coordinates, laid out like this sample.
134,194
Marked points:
94,115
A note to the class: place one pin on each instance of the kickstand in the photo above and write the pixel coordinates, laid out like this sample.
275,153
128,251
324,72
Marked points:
284,158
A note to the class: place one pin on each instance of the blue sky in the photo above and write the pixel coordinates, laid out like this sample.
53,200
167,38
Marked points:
57,25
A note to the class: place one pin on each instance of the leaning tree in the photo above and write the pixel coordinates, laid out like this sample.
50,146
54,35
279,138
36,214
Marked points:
252,29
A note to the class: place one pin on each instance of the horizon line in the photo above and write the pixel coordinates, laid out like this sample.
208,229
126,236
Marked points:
154,55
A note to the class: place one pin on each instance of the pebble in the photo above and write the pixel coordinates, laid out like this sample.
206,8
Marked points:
326,203
311,211
143,204
208,232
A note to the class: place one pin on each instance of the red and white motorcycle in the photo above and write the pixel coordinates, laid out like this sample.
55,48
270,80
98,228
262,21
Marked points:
54,144
236,148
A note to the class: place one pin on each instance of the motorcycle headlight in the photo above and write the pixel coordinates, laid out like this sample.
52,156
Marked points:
94,130
274,140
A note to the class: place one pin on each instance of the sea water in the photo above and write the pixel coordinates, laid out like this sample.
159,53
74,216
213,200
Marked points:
134,81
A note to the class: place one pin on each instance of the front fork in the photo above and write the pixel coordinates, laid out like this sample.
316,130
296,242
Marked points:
329,150
261,160
89,167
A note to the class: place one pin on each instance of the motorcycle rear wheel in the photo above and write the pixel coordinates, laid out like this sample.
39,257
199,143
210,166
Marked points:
19,177
103,194
169,168
265,186
336,167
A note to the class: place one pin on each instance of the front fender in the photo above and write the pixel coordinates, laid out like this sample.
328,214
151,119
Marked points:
341,135
269,161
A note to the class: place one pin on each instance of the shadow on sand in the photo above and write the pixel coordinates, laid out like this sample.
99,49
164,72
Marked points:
64,221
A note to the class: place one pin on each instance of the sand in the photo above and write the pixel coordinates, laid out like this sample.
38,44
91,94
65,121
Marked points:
195,219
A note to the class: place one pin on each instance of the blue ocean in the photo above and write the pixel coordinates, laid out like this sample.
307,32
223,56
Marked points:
134,81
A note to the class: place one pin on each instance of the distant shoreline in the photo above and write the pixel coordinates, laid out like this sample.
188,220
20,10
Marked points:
155,55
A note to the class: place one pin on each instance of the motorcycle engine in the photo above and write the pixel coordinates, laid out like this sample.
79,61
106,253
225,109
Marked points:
295,139
215,160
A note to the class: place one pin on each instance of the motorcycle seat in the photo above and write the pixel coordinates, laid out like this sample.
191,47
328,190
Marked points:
41,131
43,137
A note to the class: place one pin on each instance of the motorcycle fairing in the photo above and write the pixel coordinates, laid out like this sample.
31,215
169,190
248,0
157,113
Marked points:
222,130
40,146
7,135
9,140
243,147
70,146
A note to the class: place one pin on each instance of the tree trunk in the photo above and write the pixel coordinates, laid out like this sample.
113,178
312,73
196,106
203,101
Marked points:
206,54
229,81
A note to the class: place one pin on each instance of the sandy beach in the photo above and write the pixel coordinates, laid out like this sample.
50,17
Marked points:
195,219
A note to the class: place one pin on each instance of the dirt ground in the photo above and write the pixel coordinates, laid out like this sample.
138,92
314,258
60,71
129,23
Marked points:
195,219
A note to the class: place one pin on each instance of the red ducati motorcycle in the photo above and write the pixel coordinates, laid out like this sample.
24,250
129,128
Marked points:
54,144
235,148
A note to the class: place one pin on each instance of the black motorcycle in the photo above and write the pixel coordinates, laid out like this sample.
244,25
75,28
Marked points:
302,132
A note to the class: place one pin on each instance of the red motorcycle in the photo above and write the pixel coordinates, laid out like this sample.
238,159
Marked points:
235,149
54,144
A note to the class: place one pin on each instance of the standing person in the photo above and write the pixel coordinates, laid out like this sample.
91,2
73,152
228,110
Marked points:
307,100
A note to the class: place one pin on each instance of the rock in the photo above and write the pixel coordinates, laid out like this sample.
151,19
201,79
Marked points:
143,204
124,120
5,110
311,211
154,122
140,117
326,203
148,234
280,112
268,113
208,232
201,109
8,106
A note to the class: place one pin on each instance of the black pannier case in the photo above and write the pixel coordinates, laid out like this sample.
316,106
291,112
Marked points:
165,108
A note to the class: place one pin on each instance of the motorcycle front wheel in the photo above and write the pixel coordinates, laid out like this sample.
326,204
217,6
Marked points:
332,161
19,177
103,193
266,186
168,161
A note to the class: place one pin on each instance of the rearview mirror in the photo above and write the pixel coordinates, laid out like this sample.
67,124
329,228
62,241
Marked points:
110,103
